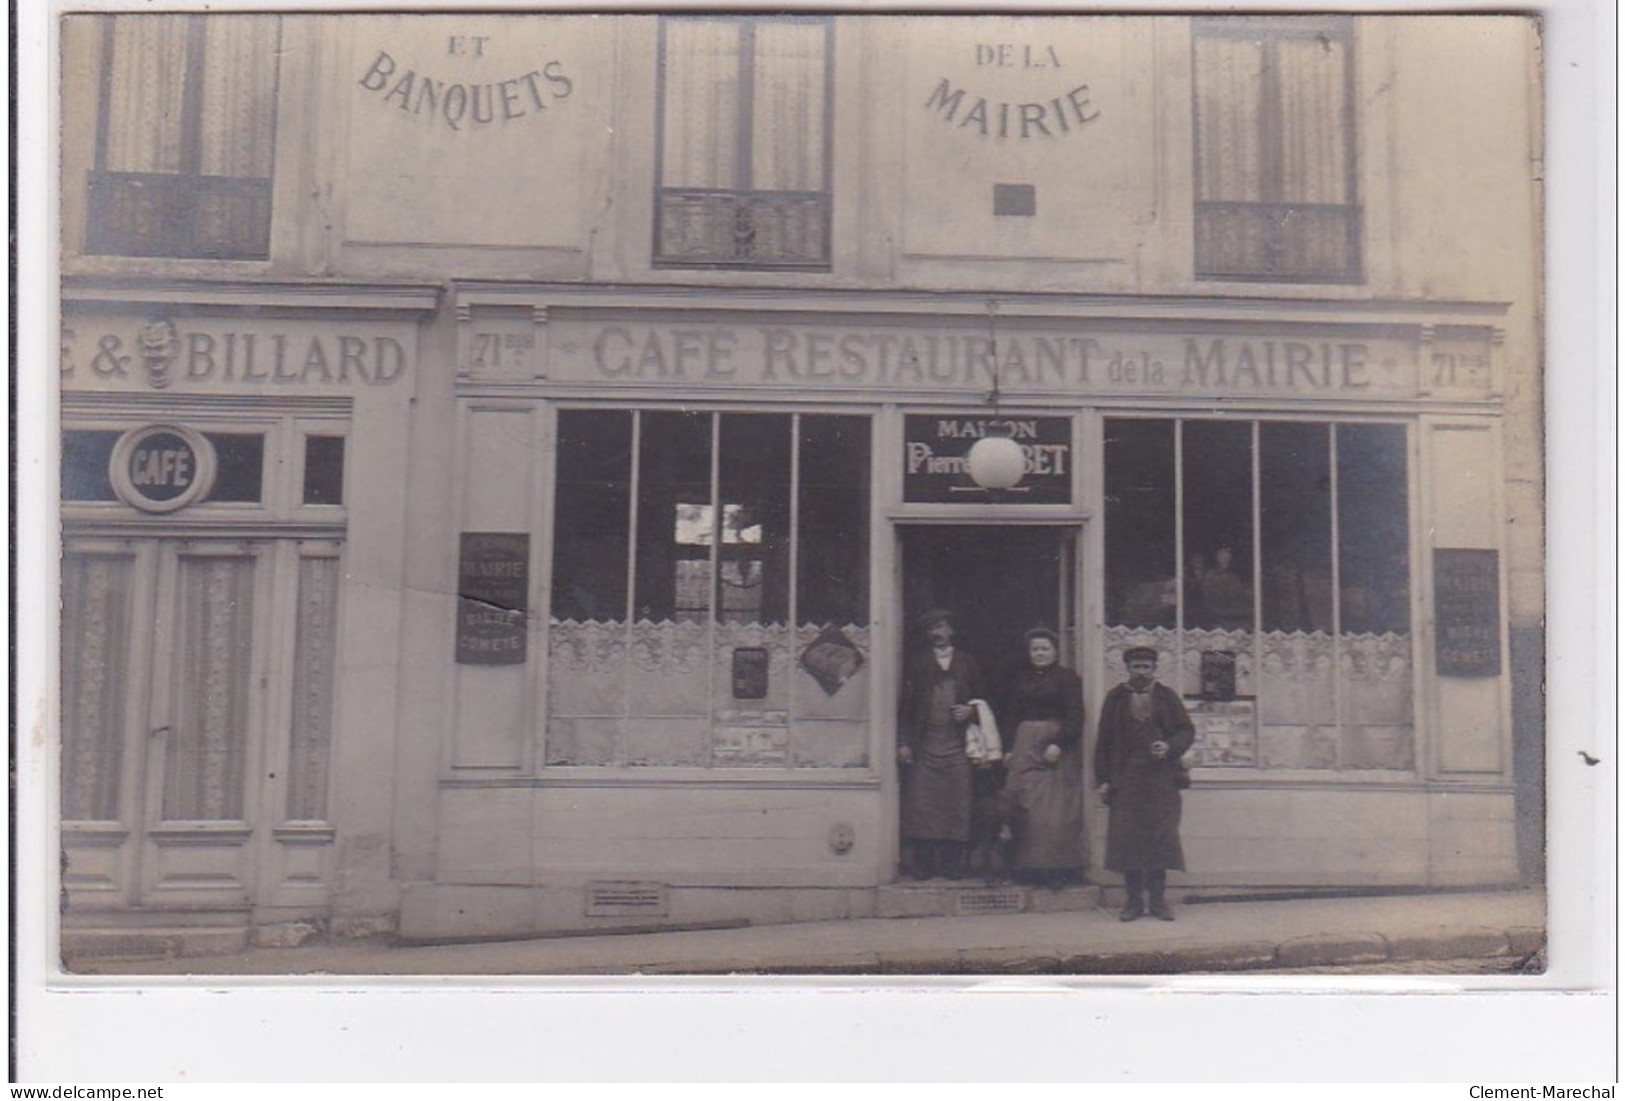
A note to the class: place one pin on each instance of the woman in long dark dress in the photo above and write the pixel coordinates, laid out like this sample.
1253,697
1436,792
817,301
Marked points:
1044,710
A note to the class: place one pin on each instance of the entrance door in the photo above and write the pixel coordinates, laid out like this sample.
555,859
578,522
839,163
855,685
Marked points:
999,582
168,677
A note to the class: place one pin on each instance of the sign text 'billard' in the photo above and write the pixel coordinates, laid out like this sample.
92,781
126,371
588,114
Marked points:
160,355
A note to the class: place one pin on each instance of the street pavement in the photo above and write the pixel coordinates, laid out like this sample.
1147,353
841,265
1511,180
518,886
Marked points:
1436,933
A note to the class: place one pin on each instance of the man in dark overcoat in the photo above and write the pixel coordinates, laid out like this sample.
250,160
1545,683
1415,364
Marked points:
936,776
1144,730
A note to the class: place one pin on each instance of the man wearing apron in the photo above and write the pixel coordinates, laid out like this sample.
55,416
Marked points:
938,684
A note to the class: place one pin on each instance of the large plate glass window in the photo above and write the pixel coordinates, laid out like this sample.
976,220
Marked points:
743,142
1268,562
697,557
1274,149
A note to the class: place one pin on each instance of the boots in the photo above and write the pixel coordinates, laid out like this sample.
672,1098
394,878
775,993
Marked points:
919,860
1134,883
1157,881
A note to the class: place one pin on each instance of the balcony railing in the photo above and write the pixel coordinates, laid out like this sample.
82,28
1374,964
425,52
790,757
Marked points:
741,229
1278,242
198,217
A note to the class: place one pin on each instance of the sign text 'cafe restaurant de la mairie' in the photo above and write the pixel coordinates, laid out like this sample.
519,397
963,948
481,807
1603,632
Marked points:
503,455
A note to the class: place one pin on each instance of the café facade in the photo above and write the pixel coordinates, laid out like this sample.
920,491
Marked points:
502,507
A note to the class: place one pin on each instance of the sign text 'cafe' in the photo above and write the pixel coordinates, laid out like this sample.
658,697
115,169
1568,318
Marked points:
1077,361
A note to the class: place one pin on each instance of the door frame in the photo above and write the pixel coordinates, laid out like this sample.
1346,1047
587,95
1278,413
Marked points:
143,860
1085,644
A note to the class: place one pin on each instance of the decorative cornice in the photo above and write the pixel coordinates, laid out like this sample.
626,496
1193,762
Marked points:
88,402
180,297
1012,307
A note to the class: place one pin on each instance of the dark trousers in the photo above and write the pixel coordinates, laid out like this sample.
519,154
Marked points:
925,859
1142,879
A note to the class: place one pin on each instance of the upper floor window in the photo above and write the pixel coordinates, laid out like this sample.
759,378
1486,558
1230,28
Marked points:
185,129
1275,166
743,141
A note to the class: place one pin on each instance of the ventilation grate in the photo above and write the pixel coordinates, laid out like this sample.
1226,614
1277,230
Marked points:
611,898
990,902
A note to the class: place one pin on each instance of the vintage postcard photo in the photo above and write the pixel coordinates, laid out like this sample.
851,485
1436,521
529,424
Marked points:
811,492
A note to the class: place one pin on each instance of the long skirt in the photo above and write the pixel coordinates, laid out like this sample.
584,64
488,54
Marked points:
936,793
1048,798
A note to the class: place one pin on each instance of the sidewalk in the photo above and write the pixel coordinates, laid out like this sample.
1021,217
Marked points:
1209,936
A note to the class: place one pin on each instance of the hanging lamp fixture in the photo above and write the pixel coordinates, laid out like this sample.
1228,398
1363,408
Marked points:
995,462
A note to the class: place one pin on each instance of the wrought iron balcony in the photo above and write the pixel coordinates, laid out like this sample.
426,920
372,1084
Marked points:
697,227
158,214
1278,242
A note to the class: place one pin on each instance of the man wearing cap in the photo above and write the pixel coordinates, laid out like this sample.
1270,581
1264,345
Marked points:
938,684
1143,732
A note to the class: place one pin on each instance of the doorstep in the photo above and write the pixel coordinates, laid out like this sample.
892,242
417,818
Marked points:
83,945
968,898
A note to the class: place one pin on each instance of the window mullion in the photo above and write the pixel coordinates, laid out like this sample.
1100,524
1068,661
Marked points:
629,609
661,94
792,608
1179,554
743,178
1271,124
715,616
192,97
104,105
1337,597
791,603
1271,153
1258,592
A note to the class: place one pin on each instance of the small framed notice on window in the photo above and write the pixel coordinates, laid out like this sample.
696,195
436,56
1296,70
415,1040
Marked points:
1467,611
750,673
493,586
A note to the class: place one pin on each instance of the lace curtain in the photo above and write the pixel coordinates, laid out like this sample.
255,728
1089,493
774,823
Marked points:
153,59
1230,94
661,693
787,139
206,752
701,147
706,129
96,593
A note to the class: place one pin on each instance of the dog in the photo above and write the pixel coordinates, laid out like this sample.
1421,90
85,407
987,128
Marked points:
995,824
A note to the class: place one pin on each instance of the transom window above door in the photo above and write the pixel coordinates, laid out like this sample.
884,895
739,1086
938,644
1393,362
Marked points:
743,145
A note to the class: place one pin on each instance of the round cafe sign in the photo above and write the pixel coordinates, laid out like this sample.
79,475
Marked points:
162,468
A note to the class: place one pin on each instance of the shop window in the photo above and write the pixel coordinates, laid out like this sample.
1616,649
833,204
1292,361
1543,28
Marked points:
593,530
742,540
1268,563
743,142
184,137
1274,150
1142,575
86,458
239,466
832,495
324,470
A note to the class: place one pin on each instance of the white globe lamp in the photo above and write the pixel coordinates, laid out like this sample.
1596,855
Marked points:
996,462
